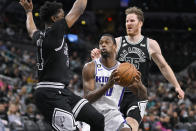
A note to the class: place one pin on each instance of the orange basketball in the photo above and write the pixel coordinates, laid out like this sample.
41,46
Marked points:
126,72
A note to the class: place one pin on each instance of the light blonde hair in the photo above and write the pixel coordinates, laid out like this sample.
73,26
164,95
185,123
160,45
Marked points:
137,11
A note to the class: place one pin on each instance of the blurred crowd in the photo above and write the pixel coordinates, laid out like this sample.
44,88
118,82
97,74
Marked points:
165,112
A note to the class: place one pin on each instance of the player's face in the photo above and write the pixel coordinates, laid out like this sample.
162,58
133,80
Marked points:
106,46
133,25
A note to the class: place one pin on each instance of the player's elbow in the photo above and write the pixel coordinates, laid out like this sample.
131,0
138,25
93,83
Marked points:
162,66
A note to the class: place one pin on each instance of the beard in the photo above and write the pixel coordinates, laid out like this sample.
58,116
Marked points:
104,54
133,33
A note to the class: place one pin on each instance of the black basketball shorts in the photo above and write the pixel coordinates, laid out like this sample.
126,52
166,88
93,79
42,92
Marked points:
60,107
132,106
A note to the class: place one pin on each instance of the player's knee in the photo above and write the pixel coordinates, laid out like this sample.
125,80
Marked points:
98,122
132,123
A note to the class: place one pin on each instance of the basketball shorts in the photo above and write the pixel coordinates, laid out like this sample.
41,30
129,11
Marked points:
60,107
113,121
132,106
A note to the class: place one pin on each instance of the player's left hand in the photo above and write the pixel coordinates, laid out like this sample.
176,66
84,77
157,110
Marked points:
27,5
180,93
138,88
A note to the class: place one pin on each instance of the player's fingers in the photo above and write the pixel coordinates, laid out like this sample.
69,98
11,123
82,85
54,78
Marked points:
116,79
115,73
136,79
21,2
92,54
138,73
179,97
96,50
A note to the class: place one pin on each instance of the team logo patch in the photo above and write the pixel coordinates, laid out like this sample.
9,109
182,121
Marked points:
63,120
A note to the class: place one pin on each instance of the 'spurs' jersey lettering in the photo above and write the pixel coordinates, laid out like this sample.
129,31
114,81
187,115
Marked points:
136,54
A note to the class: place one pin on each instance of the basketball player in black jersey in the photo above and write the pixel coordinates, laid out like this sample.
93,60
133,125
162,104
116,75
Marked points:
138,50
57,103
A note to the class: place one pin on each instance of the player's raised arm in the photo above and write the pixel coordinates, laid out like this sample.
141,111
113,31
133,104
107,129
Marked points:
76,11
28,7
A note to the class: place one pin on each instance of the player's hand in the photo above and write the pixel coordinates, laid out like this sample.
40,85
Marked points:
27,5
180,93
114,78
138,88
95,53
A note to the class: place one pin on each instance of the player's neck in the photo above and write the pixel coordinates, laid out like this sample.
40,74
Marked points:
108,62
135,38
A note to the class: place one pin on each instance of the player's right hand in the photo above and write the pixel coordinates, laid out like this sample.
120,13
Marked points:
95,53
114,78
27,5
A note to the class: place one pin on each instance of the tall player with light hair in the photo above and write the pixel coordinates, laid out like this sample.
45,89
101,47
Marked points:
139,50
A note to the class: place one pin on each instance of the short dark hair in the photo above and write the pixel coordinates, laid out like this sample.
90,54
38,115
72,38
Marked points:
49,9
110,35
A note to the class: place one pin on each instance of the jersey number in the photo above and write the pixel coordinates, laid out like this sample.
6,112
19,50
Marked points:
109,91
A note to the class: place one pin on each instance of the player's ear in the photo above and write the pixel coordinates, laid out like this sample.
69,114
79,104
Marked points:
53,18
115,46
140,23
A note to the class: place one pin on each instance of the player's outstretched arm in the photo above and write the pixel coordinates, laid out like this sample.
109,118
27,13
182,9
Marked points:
30,24
88,75
76,11
165,69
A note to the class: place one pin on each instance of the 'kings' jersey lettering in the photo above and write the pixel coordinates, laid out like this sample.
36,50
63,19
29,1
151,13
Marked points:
101,79
112,96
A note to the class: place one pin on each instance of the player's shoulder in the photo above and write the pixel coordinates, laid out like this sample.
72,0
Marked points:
152,41
89,66
89,69
153,46
118,39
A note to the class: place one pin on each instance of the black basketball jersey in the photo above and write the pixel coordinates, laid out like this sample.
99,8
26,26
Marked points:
136,54
52,55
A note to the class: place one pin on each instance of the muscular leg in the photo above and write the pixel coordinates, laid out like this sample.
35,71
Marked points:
125,129
133,123
92,117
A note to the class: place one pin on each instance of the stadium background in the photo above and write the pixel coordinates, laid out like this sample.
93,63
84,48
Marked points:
171,22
